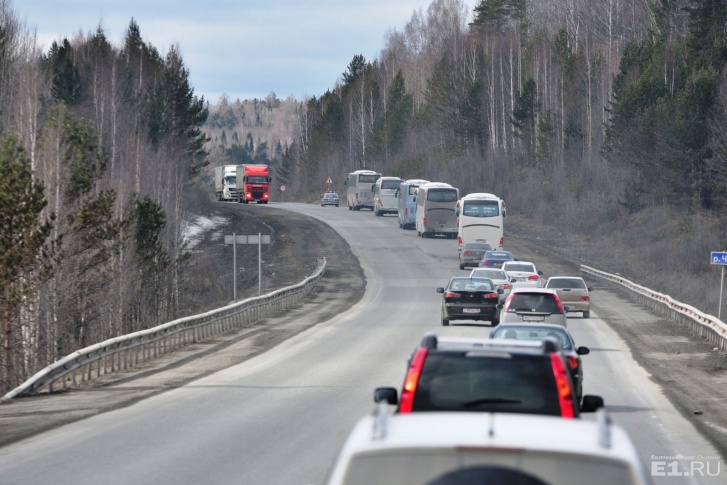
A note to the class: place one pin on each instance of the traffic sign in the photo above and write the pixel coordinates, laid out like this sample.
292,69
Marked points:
718,258
329,181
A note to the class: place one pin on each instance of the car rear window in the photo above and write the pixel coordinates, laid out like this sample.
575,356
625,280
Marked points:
479,246
390,184
500,382
493,274
533,333
529,268
499,255
533,302
575,283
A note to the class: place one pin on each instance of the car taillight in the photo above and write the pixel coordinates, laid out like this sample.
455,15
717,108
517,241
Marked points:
459,241
406,212
491,295
533,277
424,222
467,253
356,197
412,381
502,241
562,383
560,305
573,362
452,294
507,303
506,286
584,298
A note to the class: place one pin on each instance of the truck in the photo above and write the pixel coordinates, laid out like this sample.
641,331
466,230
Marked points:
226,182
255,183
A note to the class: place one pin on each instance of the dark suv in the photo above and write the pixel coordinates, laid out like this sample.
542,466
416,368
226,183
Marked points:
468,374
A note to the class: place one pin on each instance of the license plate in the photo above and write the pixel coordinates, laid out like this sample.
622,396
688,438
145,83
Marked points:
531,318
470,310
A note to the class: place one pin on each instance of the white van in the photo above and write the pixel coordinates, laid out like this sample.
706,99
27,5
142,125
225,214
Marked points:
384,191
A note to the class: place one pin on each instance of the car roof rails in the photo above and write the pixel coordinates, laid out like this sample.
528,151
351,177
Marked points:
429,341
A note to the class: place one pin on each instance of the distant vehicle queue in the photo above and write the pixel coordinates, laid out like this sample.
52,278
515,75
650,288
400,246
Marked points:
431,208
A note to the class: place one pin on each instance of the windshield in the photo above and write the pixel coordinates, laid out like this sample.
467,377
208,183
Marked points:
571,283
230,179
525,268
256,179
413,189
471,284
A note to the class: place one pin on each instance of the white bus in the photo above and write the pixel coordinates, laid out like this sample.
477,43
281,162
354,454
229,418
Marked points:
407,206
358,189
436,202
385,195
480,219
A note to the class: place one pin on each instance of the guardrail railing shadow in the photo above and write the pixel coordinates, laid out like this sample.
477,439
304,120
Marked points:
706,326
127,351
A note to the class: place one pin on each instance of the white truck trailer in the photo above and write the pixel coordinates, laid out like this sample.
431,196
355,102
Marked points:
226,182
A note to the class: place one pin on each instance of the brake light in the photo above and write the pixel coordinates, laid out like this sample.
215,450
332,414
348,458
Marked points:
491,295
584,298
356,196
467,253
502,241
459,241
507,303
533,277
562,383
573,362
412,381
424,222
406,212
506,286
452,294
560,305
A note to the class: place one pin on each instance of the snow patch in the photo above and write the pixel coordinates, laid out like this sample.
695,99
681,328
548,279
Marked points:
194,230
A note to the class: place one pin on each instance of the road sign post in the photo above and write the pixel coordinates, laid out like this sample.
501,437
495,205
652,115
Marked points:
258,239
719,258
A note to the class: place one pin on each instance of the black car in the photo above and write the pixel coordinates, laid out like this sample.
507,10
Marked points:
541,331
488,375
467,298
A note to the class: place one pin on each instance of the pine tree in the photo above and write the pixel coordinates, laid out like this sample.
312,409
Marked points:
26,250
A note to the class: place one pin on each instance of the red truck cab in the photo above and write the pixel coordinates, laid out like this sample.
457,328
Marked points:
255,186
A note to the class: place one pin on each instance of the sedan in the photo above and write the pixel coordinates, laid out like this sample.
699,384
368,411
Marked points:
540,331
495,259
529,305
472,253
572,291
467,298
523,274
329,198
499,278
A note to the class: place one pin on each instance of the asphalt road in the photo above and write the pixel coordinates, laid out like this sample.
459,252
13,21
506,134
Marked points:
280,415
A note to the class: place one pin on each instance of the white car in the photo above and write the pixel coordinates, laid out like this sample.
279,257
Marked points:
470,447
523,273
499,278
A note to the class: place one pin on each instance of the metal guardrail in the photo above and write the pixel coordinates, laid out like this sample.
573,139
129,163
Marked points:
706,326
127,351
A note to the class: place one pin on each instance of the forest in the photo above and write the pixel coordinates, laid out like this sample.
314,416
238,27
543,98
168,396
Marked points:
603,120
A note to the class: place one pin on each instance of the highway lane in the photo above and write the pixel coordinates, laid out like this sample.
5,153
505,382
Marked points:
280,418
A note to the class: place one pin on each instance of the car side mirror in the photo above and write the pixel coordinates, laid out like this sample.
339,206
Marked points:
540,273
387,394
566,308
591,404
440,290
589,288
583,350
500,306
345,182
513,280
500,291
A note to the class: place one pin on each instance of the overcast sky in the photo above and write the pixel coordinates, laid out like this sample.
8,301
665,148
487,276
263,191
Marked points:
245,48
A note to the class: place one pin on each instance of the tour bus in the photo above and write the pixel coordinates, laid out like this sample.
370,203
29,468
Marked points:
436,202
385,195
358,187
480,219
407,206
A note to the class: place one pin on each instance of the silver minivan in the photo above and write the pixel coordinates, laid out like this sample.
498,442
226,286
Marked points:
527,305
